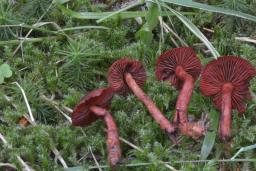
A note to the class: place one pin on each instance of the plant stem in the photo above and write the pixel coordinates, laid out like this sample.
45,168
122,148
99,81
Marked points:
113,144
152,108
226,108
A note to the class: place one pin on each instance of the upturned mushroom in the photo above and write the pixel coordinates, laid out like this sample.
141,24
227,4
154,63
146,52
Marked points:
227,81
126,76
181,67
93,106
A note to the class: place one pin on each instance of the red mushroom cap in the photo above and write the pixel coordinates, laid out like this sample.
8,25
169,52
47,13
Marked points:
116,74
169,60
81,115
228,69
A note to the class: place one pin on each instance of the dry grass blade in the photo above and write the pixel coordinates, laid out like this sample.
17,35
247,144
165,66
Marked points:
8,165
94,158
56,107
26,101
246,39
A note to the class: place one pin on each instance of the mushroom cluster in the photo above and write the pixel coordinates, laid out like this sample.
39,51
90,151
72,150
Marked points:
226,79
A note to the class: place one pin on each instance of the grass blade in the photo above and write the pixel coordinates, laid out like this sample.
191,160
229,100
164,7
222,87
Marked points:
195,30
82,27
122,15
244,149
145,33
209,139
190,3
139,2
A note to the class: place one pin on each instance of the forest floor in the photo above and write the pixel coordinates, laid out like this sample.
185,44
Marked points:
53,53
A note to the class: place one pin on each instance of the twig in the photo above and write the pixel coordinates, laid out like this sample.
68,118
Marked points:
166,29
56,107
8,165
59,157
26,101
94,158
131,144
209,30
25,166
246,39
175,34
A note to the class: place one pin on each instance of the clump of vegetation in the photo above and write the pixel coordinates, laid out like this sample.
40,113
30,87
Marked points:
55,52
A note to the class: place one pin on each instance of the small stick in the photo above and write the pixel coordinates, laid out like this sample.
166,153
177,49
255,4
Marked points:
246,39
94,158
166,29
209,30
56,107
8,165
175,34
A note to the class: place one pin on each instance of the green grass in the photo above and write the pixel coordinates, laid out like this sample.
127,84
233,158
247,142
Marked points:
65,66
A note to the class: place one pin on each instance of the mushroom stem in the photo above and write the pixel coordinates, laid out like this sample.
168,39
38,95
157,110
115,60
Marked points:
192,129
152,108
226,109
113,144
184,95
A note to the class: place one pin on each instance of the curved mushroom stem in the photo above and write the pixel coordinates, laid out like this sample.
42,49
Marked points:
191,129
184,95
226,109
113,144
152,108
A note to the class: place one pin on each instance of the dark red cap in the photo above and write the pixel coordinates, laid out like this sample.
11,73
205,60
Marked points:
117,72
228,69
169,60
81,115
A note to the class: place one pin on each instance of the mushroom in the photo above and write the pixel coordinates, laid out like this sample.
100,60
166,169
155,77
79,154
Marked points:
181,67
227,81
93,106
126,76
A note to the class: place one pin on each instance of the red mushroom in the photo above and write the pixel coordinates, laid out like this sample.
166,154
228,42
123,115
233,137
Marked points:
126,75
93,106
227,80
181,67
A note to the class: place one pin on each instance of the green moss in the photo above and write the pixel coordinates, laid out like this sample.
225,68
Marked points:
67,68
